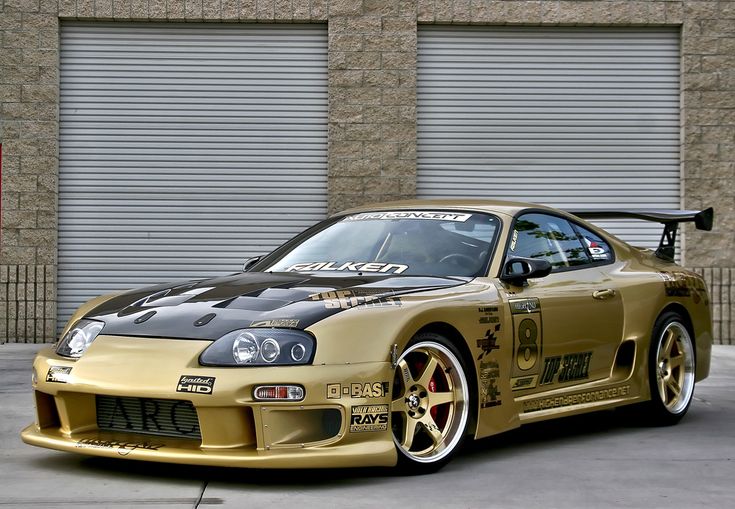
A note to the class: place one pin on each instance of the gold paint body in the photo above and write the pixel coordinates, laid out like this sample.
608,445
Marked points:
354,346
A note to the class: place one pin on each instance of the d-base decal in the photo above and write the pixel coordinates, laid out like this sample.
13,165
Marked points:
123,448
410,214
369,418
58,374
358,390
381,268
196,384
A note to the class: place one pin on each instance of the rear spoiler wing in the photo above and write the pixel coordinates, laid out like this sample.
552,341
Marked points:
702,219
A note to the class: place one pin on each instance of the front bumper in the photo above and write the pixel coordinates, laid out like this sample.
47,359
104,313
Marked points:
235,429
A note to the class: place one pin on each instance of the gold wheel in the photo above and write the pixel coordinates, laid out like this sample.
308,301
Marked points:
675,368
430,402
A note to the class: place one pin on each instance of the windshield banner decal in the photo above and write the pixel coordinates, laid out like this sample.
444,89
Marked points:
435,216
382,268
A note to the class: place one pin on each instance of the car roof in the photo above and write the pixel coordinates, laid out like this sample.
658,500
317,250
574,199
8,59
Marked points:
509,208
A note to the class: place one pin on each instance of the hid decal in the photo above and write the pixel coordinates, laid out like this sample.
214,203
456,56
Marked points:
489,342
575,366
288,323
576,399
346,299
123,448
196,384
489,391
375,267
58,374
435,216
358,390
369,418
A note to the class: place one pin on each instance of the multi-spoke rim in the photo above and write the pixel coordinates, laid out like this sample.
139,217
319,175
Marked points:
430,402
675,368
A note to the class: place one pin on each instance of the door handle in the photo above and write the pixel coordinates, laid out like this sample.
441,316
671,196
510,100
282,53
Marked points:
608,293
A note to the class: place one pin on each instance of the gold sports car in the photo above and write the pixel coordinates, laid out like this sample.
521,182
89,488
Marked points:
384,335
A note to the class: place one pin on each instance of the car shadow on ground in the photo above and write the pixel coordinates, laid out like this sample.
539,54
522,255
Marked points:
502,446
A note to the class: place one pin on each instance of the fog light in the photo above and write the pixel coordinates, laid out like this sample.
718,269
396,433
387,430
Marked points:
279,393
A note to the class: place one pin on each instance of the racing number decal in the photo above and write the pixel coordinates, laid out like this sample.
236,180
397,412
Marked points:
527,352
527,343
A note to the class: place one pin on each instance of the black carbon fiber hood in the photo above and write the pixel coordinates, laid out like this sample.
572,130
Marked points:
210,308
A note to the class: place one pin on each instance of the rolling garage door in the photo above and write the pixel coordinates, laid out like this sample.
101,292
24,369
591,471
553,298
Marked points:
568,117
185,149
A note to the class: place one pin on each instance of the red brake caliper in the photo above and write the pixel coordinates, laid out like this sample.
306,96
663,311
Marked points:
432,388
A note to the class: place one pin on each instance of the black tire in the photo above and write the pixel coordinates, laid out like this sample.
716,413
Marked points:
432,404
671,370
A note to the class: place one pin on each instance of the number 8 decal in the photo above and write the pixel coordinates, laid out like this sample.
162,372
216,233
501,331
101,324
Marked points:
527,354
528,340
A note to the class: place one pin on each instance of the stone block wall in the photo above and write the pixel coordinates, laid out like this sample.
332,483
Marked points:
372,105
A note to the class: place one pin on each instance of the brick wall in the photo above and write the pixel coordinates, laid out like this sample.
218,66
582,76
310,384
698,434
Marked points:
372,88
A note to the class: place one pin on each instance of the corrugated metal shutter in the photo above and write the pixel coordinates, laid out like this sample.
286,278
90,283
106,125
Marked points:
569,117
185,149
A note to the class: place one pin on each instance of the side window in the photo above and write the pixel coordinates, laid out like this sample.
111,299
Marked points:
550,238
598,249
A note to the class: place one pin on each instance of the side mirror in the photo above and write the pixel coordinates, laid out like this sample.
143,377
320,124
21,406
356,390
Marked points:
517,270
250,262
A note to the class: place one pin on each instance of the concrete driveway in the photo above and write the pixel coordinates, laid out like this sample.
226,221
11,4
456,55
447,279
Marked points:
599,460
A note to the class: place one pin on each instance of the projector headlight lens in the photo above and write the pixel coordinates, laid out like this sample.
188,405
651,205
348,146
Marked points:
260,347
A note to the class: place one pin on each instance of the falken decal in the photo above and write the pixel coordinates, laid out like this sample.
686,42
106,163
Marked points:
369,418
576,399
123,448
570,367
346,299
58,374
425,215
358,390
375,267
196,384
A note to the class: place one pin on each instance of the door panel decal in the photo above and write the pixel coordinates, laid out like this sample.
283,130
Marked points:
527,343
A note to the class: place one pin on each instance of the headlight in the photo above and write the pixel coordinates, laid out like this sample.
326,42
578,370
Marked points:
80,336
260,347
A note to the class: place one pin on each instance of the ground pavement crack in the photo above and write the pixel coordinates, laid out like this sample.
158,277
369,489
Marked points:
201,494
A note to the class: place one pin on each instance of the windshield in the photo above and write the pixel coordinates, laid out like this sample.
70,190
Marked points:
412,243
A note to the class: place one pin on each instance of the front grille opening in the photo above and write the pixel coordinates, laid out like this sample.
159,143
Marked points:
163,417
